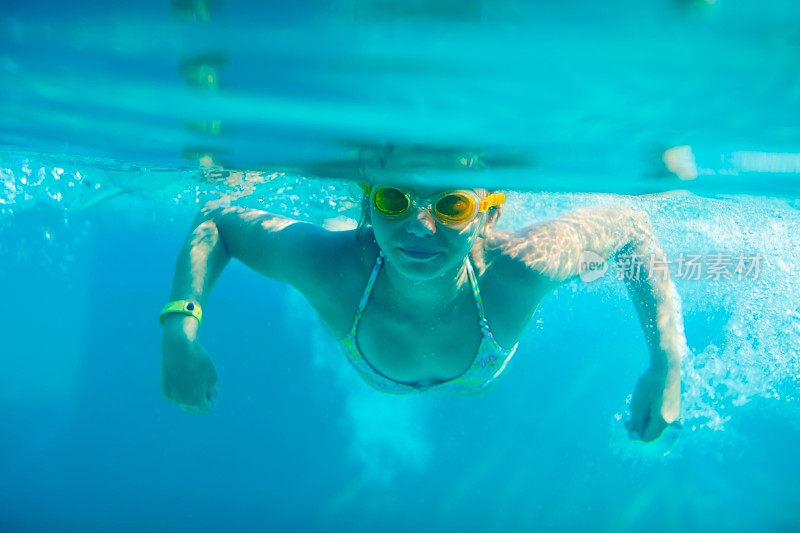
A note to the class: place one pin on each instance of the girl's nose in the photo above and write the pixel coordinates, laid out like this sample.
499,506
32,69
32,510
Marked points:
421,222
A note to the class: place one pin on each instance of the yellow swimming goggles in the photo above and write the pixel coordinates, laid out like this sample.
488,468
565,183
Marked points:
449,207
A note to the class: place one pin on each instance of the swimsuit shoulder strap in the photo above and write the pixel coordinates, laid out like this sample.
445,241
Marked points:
487,333
367,291
476,292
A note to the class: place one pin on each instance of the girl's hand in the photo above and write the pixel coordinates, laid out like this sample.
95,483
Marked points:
656,403
188,377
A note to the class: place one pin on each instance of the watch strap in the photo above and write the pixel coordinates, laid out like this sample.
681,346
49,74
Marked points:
185,307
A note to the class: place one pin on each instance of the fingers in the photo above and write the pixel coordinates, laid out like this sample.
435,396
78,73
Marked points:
645,425
211,394
199,406
655,426
195,409
191,383
640,416
203,407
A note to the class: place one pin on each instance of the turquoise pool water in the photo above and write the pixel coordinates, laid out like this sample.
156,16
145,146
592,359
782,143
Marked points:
116,124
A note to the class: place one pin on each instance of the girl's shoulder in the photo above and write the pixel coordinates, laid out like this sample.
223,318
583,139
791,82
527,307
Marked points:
355,251
496,256
505,263
342,271
510,289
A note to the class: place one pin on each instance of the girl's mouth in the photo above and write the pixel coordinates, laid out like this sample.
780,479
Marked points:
418,254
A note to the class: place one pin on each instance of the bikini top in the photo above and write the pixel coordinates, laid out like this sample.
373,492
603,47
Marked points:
489,362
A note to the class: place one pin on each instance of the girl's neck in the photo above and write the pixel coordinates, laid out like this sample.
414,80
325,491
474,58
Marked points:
439,292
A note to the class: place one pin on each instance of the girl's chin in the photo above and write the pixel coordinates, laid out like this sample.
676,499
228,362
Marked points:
420,269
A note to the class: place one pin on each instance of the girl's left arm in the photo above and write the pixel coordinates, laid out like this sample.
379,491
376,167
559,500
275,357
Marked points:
557,250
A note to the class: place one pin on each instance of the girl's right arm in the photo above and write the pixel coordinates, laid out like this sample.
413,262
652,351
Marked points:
277,247
188,377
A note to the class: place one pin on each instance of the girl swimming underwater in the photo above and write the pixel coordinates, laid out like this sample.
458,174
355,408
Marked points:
425,295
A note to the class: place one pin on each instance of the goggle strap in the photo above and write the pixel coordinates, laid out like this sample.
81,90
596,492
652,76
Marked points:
491,200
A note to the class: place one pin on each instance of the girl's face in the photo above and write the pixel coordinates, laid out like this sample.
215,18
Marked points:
417,243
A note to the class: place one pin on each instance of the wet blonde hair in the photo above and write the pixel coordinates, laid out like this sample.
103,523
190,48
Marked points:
364,219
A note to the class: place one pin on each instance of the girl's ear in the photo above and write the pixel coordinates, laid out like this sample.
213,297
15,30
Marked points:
491,219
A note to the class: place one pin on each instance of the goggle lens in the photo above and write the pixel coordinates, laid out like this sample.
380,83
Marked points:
390,201
453,207
456,207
